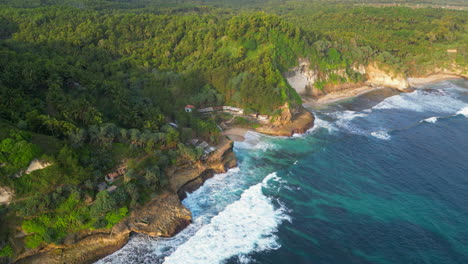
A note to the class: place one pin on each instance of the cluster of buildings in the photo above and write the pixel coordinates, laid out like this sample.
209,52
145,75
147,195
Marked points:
207,149
227,109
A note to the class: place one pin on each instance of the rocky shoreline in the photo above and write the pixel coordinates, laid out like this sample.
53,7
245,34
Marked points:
163,216
298,124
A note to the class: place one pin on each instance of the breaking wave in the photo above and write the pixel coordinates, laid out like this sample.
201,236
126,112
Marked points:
463,111
439,101
254,141
431,119
245,226
381,135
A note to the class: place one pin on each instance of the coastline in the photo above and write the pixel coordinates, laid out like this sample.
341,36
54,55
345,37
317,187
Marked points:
298,124
162,216
339,95
433,78
238,133
167,215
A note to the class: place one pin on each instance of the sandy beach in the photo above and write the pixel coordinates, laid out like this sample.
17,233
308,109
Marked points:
337,96
236,133
432,79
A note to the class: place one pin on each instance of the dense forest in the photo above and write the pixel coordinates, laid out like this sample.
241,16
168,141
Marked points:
89,85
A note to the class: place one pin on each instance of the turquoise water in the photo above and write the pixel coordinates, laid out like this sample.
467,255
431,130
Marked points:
373,182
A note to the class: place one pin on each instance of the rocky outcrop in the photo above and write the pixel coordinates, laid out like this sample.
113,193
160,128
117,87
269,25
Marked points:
163,216
377,76
33,166
302,77
297,123
187,176
37,165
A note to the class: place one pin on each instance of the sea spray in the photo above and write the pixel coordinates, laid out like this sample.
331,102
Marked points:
463,111
245,226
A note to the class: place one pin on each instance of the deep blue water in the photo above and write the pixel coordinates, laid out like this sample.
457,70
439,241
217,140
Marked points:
374,182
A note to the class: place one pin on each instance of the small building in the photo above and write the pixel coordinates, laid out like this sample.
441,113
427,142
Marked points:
208,150
203,145
452,51
262,117
189,108
206,110
116,174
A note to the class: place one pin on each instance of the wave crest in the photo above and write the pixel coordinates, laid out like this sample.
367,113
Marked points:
245,226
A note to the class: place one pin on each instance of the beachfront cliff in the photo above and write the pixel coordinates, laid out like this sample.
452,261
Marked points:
163,216
309,81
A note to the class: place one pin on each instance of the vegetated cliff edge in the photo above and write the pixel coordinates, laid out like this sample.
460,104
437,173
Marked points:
304,78
163,216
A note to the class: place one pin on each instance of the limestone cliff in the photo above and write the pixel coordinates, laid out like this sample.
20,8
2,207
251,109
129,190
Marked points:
304,77
163,216
378,76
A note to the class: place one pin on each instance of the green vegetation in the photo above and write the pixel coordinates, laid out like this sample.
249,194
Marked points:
6,251
89,86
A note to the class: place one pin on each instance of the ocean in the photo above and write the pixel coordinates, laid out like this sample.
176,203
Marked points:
381,178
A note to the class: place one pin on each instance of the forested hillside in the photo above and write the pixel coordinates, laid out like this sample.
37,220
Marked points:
89,85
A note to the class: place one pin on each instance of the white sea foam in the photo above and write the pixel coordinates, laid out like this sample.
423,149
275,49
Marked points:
381,135
463,111
245,226
320,123
421,101
253,140
345,121
349,115
431,119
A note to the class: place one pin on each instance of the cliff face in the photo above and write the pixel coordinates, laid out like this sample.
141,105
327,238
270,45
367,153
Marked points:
163,216
303,79
379,77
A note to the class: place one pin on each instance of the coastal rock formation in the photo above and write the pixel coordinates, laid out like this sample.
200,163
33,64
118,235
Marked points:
298,123
377,76
163,216
187,176
303,78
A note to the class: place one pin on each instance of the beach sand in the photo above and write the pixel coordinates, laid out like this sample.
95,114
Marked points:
236,133
337,96
431,79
